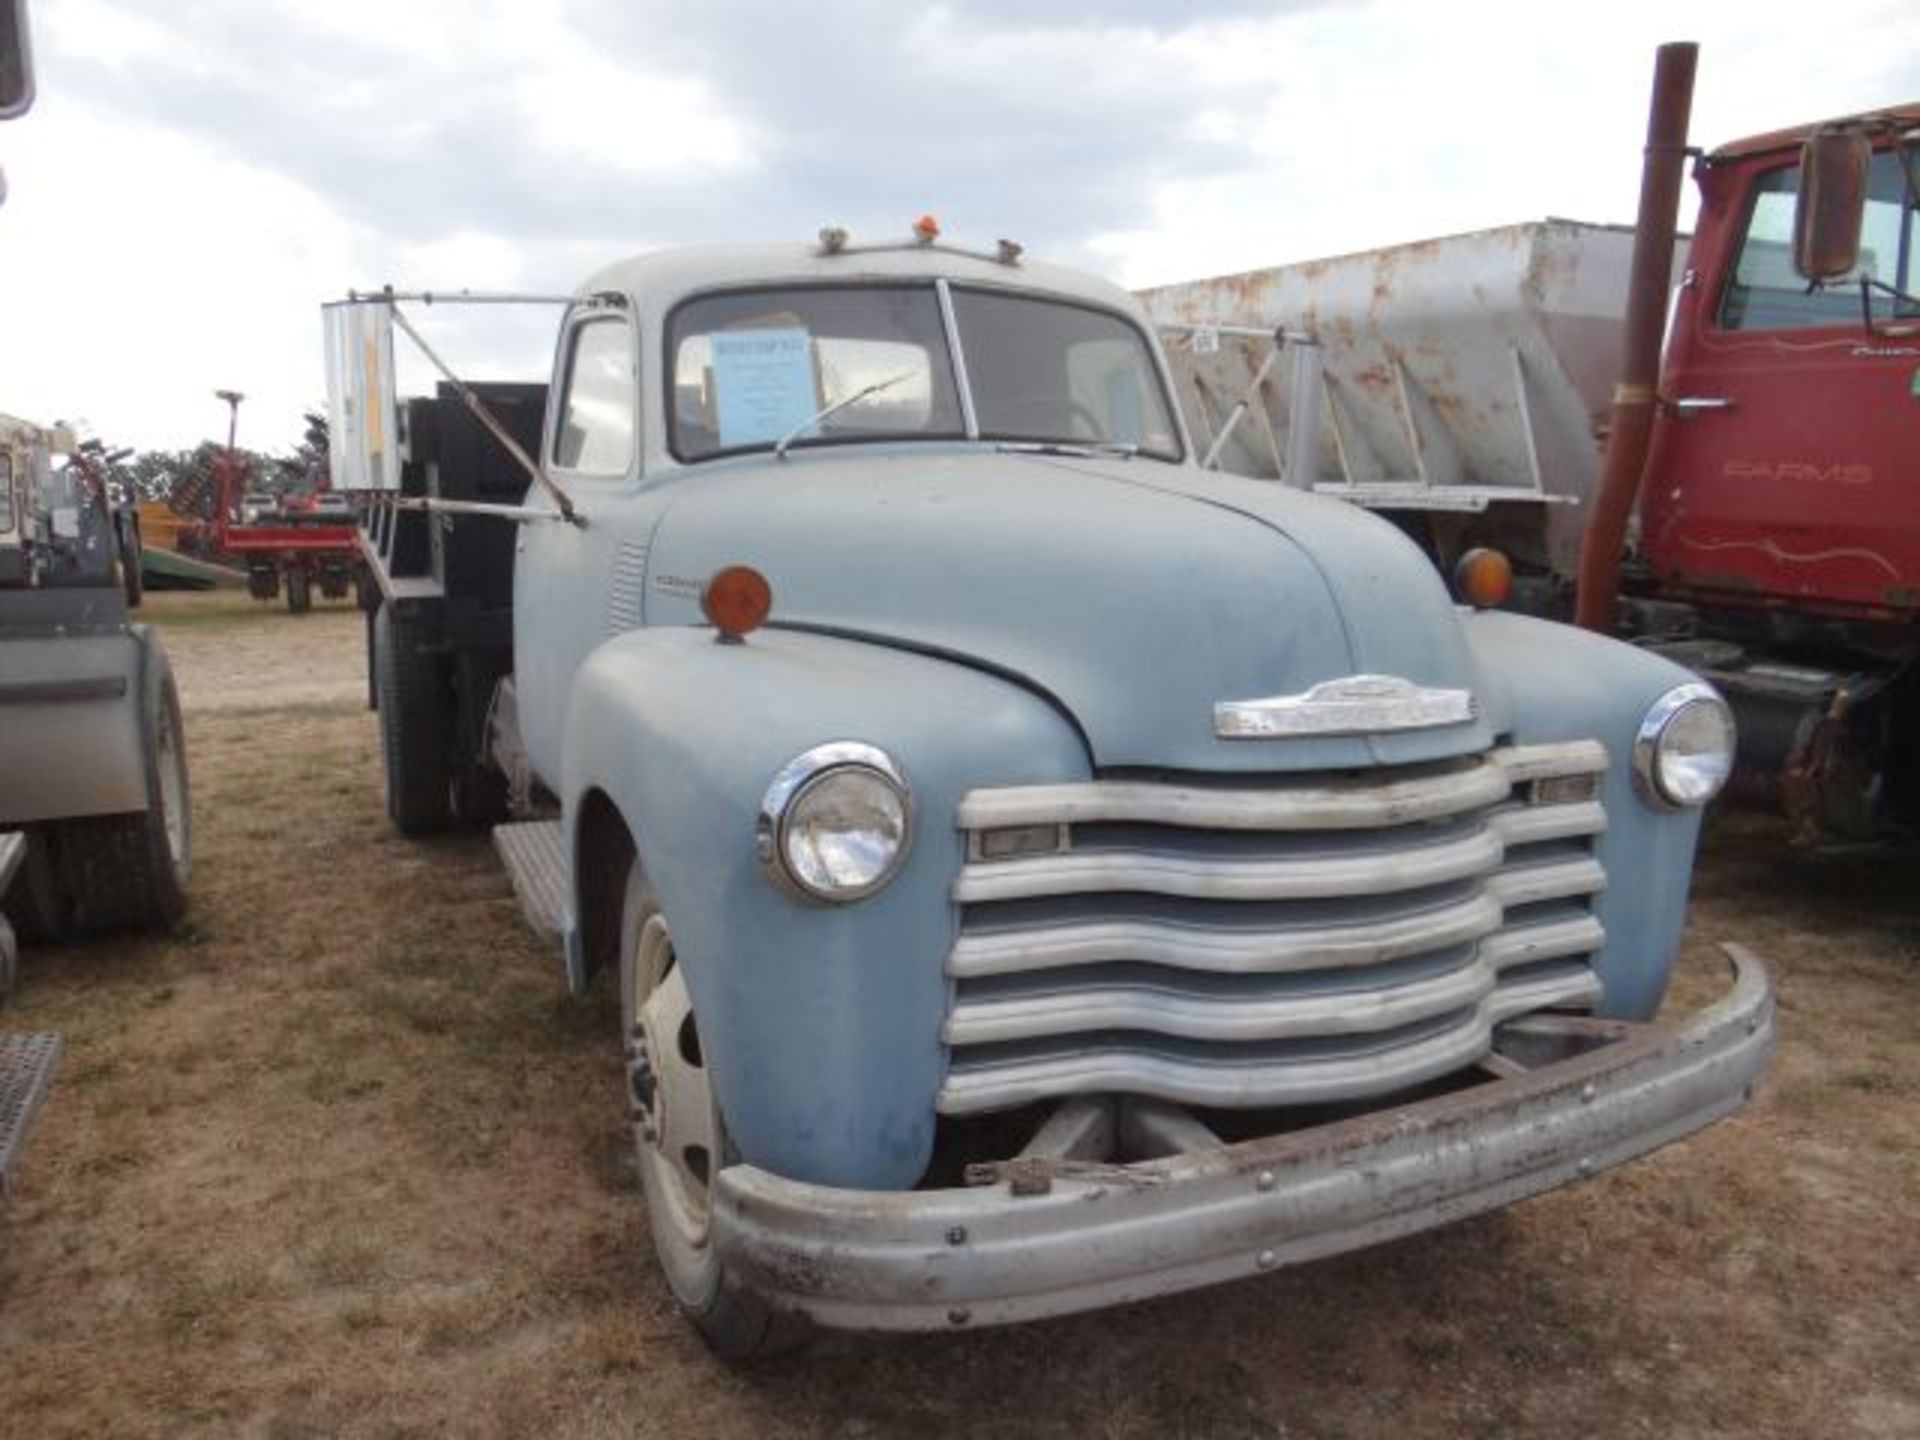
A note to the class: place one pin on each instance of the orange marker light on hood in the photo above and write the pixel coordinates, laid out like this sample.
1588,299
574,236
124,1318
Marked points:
736,601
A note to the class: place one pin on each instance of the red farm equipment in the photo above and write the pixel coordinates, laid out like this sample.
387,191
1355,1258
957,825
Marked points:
299,542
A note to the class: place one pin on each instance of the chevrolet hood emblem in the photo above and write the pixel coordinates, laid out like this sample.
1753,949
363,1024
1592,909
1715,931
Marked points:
1353,705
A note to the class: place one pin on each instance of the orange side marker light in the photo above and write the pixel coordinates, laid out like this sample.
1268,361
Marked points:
1483,577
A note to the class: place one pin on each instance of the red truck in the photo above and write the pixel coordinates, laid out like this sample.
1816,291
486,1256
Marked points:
1780,505
1462,386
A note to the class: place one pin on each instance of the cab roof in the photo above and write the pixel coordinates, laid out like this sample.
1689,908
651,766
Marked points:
1795,136
660,279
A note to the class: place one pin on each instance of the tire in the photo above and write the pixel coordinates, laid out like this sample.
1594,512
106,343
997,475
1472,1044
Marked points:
299,590
38,903
479,796
680,1140
9,961
130,872
416,726
373,658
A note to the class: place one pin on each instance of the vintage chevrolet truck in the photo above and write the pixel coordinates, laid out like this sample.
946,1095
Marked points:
1038,873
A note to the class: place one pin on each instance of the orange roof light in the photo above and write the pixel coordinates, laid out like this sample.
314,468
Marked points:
926,229
1483,577
736,601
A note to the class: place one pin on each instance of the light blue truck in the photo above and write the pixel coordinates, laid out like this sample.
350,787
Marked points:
1038,873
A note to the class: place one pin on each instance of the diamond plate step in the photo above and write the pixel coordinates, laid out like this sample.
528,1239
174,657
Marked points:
535,860
26,1067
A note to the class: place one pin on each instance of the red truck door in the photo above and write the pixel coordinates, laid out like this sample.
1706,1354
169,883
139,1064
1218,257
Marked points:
1784,460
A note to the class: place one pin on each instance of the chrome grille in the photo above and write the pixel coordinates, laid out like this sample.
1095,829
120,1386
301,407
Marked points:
1266,941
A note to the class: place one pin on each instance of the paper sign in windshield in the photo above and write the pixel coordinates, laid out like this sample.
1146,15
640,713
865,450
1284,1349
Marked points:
763,384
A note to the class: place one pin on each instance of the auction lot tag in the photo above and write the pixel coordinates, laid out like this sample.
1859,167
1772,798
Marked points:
763,384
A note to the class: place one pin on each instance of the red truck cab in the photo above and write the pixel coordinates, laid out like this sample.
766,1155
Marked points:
1780,505
1783,467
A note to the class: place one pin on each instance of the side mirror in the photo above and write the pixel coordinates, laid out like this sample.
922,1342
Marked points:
16,60
1832,201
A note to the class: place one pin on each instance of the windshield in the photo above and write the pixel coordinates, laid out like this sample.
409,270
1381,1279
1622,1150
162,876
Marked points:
751,367
811,365
1049,371
1766,294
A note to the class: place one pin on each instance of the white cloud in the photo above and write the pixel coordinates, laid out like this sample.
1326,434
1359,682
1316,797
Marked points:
138,273
195,180
581,104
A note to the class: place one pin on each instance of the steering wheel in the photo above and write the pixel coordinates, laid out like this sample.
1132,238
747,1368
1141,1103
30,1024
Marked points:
1048,408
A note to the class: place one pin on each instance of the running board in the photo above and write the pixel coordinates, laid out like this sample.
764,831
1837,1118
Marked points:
26,1067
536,862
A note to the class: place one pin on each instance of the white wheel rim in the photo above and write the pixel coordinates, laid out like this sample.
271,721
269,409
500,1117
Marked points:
676,1128
173,783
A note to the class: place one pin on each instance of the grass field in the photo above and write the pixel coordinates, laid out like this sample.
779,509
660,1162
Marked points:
338,1156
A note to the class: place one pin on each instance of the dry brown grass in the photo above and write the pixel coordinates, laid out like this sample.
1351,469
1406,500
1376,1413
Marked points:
339,1157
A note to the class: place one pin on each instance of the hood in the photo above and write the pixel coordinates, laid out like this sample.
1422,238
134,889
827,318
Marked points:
1136,594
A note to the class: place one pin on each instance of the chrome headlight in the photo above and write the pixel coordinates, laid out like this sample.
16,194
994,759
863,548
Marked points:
836,821
1684,751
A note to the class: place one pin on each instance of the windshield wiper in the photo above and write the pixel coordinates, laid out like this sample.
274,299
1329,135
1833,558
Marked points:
780,446
1079,450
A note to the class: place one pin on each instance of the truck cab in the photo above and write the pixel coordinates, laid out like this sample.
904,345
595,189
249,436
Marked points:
1786,444
1778,505
985,812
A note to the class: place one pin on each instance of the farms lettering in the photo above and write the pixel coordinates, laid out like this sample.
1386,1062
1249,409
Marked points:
1798,472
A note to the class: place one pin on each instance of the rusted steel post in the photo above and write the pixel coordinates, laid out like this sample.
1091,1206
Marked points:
1633,396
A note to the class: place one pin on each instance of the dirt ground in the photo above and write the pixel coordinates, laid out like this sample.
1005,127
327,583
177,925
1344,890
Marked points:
339,1156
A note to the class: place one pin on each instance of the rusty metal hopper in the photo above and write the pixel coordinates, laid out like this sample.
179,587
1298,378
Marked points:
1457,374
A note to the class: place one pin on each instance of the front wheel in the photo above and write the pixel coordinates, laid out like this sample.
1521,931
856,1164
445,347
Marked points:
680,1139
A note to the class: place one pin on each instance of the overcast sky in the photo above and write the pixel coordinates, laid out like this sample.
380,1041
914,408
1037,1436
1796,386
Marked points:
198,175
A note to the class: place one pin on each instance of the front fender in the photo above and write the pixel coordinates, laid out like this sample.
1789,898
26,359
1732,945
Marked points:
820,1023
1541,681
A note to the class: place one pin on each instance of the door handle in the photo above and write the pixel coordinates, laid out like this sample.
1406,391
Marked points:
1693,404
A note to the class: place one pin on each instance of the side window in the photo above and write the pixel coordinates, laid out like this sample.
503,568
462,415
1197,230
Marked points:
1765,293
595,434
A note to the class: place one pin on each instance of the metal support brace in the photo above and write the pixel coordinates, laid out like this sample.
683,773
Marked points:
1303,415
432,505
1211,459
486,417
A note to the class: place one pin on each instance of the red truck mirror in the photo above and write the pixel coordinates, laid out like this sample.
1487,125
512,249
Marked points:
1832,201
16,60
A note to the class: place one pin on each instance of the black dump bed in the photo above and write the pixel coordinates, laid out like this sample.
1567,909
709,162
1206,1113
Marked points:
461,562
439,604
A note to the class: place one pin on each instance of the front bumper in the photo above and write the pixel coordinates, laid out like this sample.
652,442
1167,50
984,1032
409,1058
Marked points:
1087,1236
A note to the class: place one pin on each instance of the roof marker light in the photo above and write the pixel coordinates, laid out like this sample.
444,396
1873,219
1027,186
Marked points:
926,229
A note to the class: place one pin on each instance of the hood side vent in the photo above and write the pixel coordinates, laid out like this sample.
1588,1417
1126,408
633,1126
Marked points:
627,588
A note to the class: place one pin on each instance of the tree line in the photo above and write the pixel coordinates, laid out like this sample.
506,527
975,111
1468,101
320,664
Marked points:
162,474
